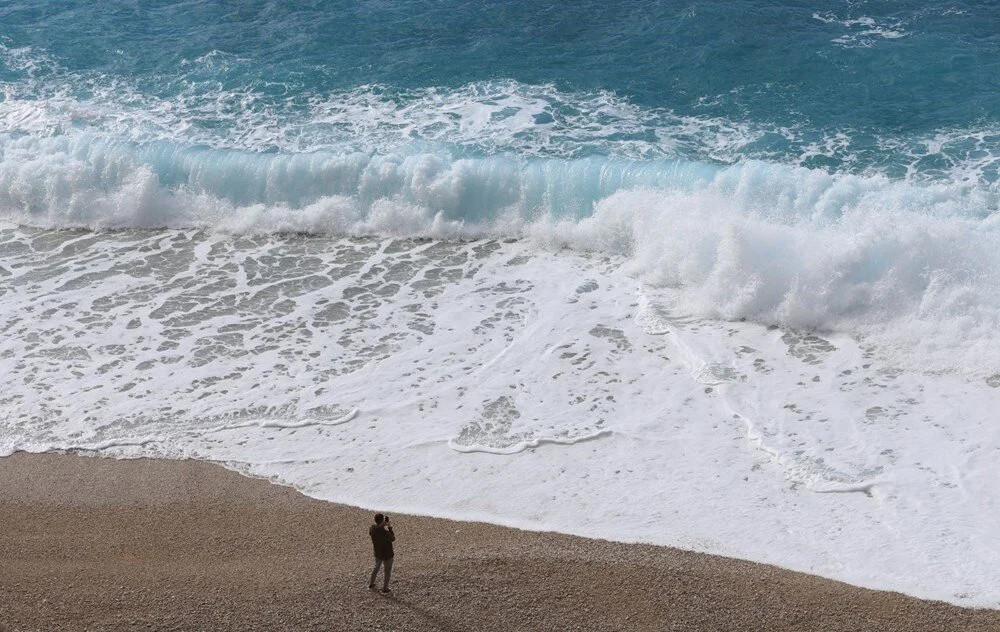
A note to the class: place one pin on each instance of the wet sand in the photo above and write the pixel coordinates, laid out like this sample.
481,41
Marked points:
99,544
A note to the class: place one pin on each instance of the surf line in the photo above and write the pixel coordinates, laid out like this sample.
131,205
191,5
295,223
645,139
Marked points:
521,446
280,423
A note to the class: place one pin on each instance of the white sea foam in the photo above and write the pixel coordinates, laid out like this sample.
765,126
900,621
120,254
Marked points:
490,116
905,266
486,117
495,380
863,31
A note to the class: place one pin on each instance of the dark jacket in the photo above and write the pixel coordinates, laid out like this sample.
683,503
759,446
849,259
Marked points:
382,540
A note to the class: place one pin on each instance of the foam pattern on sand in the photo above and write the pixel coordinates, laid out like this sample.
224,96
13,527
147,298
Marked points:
492,380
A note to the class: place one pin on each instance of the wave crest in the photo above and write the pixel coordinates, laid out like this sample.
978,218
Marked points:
909,266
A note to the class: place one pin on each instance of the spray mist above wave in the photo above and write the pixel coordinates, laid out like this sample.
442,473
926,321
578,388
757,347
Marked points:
84,180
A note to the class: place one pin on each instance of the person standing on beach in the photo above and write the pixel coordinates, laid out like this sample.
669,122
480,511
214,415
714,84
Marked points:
382,539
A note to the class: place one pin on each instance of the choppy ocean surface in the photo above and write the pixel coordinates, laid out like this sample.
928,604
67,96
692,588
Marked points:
712,275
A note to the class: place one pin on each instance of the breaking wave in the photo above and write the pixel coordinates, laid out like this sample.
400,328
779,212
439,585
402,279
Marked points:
909,265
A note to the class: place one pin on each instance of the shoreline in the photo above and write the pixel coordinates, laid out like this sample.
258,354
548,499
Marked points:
100,543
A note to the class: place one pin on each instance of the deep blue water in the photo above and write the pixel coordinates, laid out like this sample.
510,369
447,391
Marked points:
902,66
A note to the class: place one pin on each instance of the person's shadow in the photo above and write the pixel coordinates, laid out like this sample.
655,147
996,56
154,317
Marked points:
436,620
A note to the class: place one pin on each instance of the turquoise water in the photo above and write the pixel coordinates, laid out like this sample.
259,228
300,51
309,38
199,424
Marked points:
901,88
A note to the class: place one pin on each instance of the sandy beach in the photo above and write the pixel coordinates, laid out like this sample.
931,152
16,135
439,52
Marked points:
100,544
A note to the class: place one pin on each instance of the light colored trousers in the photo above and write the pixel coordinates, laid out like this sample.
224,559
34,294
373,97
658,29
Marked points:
387,574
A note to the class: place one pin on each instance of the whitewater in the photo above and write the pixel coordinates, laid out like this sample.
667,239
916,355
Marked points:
571,302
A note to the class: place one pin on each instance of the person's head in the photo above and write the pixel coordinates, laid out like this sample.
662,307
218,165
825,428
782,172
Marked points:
379,518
